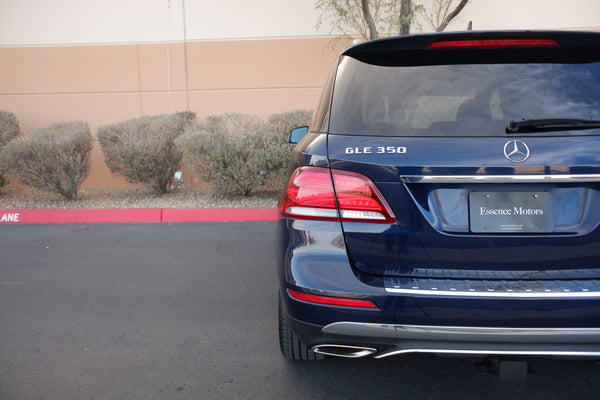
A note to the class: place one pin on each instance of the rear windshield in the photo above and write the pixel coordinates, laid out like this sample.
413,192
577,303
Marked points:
460,100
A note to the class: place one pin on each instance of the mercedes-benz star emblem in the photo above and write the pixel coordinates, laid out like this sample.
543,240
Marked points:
516,151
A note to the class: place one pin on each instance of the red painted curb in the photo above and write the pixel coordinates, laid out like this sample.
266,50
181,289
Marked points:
137,215
219,214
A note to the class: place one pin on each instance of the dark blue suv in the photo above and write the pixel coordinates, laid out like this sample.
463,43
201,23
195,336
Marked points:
446,199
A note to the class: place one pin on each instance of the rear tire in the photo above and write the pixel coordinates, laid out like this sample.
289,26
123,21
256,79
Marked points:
290,344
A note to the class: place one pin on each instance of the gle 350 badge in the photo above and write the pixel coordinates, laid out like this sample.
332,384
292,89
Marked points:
376,150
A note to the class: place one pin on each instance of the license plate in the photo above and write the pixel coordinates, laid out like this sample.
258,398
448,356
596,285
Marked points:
511,212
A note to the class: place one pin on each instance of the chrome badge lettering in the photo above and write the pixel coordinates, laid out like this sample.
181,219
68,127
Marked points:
376,150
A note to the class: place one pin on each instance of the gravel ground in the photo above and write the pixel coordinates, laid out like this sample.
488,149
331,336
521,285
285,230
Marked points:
130,197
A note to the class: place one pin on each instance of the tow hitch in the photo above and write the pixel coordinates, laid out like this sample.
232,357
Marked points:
509,369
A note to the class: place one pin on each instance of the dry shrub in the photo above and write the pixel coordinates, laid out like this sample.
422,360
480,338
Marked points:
238,153
278,128
220,150
9,130
281,124
54,158
143,150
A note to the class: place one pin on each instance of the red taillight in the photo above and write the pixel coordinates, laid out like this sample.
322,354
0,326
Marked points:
310,194
491,43
332,301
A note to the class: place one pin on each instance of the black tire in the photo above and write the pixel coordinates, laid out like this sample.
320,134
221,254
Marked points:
291,345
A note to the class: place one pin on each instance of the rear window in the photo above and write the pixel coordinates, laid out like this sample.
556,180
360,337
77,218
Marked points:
459,100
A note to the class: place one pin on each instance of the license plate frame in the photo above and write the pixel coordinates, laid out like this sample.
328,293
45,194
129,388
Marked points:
511,212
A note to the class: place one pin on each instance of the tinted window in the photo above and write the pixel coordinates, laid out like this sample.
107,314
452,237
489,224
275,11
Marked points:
459,100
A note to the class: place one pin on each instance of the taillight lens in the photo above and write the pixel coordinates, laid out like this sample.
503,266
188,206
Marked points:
310,194
491,43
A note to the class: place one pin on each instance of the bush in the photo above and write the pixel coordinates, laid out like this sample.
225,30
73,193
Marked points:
9,130
143,150
53,158
220,150
280,125
238,154
278,128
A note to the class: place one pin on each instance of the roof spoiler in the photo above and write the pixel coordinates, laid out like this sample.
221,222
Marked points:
495,47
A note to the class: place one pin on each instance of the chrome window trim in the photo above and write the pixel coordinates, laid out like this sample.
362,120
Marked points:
500,178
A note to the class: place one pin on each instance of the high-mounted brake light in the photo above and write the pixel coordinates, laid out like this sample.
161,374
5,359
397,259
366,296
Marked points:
332,301
491,43
310,194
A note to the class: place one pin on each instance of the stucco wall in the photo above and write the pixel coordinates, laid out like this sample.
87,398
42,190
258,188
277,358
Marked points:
104,84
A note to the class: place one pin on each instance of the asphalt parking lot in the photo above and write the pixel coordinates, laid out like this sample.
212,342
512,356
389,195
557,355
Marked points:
188,311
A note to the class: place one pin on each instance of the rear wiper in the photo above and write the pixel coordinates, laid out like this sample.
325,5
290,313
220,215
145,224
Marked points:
551,124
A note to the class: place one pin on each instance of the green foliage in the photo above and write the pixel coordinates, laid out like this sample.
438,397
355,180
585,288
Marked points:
280,125
238,154
277,128
9,127
143,150
439,13
53,158
390,17
9,130
221,151
346,17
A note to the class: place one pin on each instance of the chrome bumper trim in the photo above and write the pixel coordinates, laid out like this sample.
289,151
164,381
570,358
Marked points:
464,333
555,353
500,178
474,340
531,289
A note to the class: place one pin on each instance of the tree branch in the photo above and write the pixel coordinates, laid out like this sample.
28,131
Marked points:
373,34
451,16
406,16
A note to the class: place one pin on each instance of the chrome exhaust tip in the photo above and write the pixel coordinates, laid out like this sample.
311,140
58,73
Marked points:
342,350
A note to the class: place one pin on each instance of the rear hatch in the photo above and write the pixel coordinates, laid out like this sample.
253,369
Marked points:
488,154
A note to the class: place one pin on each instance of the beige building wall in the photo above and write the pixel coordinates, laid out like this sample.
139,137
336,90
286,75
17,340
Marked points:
104,84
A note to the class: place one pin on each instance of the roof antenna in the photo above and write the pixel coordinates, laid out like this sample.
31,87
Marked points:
470,26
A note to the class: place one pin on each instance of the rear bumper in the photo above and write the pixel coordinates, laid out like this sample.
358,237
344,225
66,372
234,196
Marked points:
360,339
495,318
402,339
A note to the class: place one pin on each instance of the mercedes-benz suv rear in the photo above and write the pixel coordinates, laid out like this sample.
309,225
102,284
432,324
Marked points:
446,199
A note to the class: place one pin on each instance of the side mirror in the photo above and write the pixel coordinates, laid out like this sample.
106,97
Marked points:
297,134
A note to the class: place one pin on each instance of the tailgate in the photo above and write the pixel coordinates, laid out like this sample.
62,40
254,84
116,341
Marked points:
464,210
